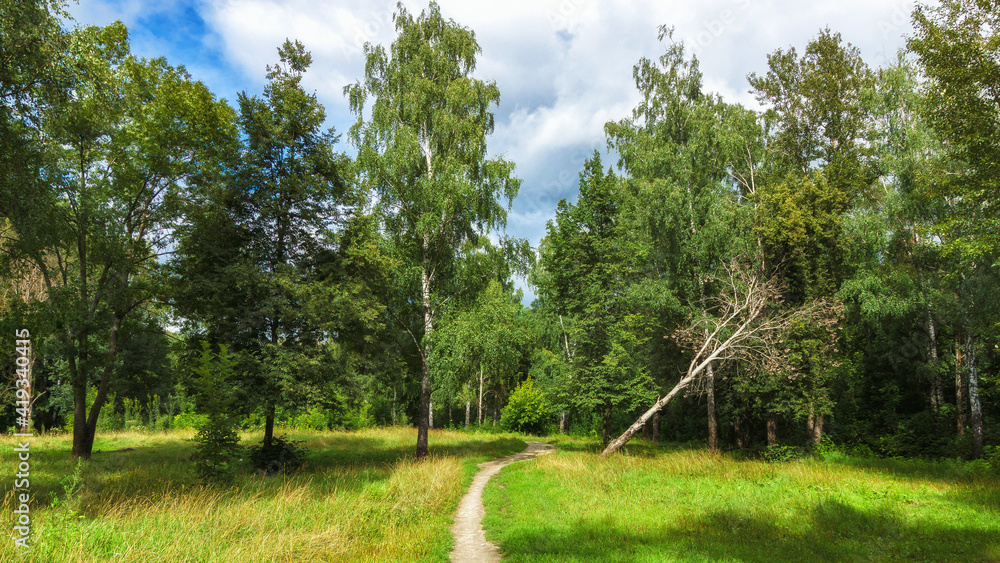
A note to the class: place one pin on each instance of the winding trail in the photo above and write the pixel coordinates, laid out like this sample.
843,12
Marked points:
470,540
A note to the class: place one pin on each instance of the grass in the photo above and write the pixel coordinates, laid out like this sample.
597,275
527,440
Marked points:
676,504
361,497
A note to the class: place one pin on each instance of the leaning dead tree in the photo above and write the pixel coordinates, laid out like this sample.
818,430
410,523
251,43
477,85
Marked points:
747,322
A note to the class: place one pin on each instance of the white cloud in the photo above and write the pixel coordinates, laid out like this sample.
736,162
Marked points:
564,67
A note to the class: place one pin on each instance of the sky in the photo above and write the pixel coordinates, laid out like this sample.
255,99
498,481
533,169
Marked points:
563,67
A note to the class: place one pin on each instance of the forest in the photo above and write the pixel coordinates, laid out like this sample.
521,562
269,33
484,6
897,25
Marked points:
818,274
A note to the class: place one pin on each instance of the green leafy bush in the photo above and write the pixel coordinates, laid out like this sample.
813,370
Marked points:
188,420
780,453
527,409
282,456
316,418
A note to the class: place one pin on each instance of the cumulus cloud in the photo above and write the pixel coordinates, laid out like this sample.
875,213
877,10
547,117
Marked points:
564,67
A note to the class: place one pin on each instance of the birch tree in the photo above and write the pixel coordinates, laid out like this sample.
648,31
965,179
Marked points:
422,151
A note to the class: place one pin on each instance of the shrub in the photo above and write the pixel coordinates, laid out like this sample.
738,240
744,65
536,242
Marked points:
527,409
358,418
315,418
217,437
188,420
779,453
282,456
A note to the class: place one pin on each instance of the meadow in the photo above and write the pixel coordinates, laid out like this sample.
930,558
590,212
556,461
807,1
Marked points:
669,503
360,497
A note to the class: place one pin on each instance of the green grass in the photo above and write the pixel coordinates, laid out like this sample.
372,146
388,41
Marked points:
361,497
675,504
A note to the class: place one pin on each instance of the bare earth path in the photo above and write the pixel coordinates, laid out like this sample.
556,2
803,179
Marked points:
470,541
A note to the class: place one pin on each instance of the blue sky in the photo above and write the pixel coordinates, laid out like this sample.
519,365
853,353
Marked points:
564,67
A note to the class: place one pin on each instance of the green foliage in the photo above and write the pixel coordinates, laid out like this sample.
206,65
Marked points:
218,439
956,43
316,418
67,516
780,453
132,414
527,409
187,420
124,140
283,456
423,154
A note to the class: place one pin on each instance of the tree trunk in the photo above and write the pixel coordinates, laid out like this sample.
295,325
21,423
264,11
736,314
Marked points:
269,424
424,418
814,426
817,430
85,426
937,396
656,426
738,433
959,387
713,427
772,429
496,408
77,374
479,410
563,422
394,406
620,441
468,408
975,408
606,424
430,416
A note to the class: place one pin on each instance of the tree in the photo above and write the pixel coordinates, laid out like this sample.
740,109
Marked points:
742,324
31,40
591,276
423,153
678,150
819,124
218,438
295,187
957,45
125,142
817,113
480,344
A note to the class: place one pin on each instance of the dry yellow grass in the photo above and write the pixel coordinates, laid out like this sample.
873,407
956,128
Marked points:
362,497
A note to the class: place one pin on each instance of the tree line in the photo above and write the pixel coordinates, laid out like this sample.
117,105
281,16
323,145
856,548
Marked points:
823,269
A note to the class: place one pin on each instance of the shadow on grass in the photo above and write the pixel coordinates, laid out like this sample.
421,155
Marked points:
832,531
636,447
344,461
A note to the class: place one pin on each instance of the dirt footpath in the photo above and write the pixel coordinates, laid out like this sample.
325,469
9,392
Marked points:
470,541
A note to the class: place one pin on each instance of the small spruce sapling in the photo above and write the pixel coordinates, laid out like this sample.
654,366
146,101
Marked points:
218,440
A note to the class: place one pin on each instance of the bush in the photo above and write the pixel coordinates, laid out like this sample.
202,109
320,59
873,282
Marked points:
316,418
188,420
780,453
358,418
282,456
217,437
527,409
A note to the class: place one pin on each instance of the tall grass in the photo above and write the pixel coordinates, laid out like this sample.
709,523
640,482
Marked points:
663,504
361,497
